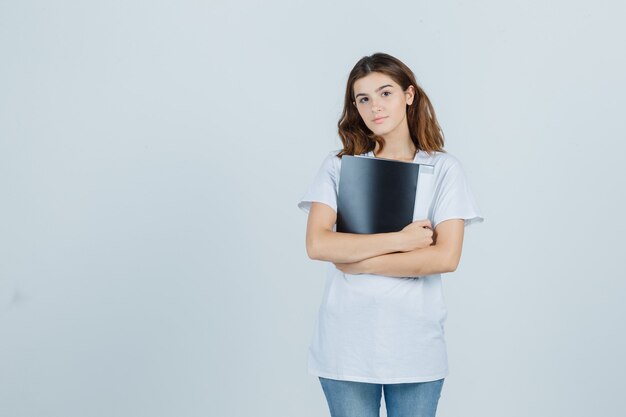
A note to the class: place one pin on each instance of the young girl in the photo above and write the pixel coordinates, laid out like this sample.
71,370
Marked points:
380,322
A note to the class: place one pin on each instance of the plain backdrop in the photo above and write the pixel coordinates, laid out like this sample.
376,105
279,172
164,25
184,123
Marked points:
152,153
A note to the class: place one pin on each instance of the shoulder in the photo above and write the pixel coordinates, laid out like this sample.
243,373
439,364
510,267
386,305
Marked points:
330,157
447,169
331,163
444,158
333,159
445,161
333,153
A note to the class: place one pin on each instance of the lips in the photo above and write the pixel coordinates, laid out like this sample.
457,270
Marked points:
380,119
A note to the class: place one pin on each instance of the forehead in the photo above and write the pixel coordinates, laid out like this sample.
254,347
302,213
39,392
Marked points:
372,81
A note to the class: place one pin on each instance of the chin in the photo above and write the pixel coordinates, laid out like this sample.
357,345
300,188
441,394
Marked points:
381,132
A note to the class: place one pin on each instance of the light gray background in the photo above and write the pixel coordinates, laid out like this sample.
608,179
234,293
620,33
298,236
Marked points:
152,154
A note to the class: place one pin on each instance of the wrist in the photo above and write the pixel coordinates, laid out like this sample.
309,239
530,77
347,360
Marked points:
398,242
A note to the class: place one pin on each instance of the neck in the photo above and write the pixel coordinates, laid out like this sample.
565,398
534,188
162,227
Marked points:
398,144
404,151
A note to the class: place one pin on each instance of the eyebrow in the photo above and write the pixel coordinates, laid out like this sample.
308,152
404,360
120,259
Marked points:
378,89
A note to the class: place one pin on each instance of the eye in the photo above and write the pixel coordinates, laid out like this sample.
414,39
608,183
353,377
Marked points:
365,98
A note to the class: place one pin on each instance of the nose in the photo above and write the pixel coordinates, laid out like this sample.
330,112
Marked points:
376,107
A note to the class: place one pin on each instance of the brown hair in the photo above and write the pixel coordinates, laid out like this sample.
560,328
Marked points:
424,129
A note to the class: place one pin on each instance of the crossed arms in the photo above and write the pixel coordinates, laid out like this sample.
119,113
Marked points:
388,254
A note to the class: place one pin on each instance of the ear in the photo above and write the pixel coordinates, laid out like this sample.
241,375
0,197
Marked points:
410,95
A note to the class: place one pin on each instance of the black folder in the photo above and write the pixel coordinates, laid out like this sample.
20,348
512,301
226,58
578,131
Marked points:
376,195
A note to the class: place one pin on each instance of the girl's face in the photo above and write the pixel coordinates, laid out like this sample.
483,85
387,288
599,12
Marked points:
382,103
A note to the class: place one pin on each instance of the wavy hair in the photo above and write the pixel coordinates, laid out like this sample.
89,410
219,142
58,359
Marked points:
424,129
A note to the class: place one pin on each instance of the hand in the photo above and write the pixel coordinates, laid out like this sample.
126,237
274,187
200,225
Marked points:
353,268
416,235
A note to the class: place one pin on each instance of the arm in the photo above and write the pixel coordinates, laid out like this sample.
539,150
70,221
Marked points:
441,257
325,245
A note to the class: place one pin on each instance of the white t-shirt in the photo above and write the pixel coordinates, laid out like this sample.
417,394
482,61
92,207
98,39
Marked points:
381,329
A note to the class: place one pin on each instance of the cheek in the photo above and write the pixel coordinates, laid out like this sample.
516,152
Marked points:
399,104
399,108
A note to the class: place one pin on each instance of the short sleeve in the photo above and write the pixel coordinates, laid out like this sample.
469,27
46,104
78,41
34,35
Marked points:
323,188
454,198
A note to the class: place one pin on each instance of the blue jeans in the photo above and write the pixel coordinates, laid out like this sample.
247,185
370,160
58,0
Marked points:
362,399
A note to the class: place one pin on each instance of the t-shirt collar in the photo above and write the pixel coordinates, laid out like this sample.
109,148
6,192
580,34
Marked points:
420,156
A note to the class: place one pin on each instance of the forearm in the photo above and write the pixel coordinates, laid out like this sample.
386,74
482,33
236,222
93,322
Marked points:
341,247
419,262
